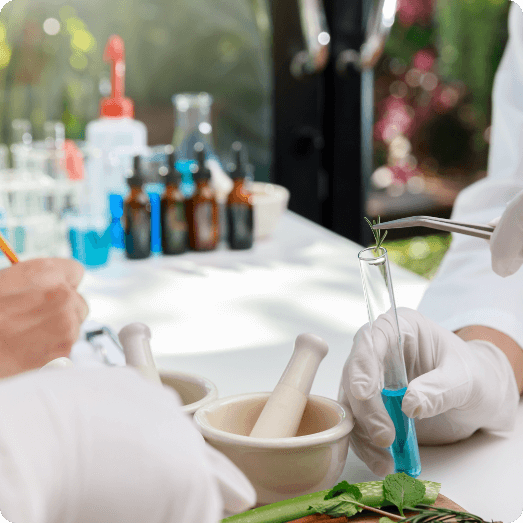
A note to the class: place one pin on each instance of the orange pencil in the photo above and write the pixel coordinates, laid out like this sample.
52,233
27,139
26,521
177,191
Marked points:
8,250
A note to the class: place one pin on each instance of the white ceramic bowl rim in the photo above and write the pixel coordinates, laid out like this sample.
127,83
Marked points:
210,387
341,429
269,189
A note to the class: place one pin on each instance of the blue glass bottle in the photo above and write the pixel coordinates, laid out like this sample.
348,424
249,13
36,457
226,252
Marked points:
117,233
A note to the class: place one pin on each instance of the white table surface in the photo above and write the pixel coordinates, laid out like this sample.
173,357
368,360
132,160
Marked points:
233,317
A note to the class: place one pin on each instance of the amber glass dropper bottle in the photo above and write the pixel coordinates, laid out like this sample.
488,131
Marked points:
239,205
172,211
137,217
202,208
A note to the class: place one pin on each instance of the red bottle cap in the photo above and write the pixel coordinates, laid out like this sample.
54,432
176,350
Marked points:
116,106
74,161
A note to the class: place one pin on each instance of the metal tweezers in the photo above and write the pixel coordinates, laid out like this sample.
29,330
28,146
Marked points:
471,229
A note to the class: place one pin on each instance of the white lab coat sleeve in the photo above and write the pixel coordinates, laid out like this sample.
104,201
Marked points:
101,445
465,290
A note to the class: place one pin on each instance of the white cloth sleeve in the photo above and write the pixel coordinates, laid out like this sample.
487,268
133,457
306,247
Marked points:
466,291
101,445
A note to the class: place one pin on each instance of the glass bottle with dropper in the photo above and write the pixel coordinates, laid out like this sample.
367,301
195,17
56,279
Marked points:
137,217
202,208
379,297
239,205
172,211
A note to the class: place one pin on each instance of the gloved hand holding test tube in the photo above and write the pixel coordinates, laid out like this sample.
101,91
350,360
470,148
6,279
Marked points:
379,297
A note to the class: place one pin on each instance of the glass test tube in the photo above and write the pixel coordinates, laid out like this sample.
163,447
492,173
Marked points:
379,296
62,197
20,193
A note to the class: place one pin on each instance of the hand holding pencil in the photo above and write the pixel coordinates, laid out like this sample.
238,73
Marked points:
40,311
8,250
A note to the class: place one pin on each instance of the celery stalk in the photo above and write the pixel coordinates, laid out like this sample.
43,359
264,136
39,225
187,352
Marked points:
289,509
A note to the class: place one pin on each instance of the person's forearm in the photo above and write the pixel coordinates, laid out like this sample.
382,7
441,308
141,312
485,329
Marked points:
505,343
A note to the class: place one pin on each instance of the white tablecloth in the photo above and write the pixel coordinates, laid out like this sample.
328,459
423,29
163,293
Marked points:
233,317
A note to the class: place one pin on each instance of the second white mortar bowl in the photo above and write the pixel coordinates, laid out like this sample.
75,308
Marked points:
195,391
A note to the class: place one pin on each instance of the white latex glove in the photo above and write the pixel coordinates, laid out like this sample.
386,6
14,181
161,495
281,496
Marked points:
506,243
103,445
455,387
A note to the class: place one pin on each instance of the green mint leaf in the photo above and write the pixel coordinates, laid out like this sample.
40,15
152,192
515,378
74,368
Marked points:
403,491
342,487
342,505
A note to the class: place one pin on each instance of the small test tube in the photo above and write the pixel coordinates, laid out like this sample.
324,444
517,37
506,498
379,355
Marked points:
379,296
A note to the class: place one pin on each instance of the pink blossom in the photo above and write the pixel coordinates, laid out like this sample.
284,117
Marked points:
412,11
424,60
402,173
391,103
448,97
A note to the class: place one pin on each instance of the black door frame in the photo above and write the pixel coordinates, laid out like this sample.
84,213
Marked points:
318,124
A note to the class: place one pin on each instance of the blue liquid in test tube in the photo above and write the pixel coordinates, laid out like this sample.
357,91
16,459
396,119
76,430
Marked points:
404,450
379,297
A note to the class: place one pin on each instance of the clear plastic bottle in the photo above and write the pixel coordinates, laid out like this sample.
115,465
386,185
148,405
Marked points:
115,138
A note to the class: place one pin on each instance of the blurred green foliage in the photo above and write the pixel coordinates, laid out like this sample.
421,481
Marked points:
222,47
171,46
471,37
468,37
421,255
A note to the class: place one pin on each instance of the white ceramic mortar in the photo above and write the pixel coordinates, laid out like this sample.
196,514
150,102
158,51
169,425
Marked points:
280,468
269,203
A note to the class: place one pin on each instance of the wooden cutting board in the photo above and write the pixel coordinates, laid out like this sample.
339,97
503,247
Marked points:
372,517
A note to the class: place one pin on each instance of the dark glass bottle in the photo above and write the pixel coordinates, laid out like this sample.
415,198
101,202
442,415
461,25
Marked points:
202,208
137,217
172,212
239,206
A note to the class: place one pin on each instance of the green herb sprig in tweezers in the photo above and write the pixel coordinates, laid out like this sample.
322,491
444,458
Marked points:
377,235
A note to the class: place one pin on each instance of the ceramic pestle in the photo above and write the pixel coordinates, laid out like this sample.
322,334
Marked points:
134,339
281,416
